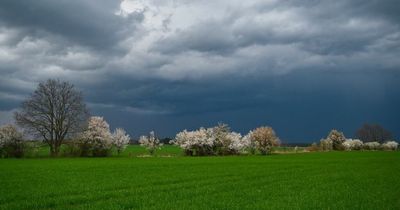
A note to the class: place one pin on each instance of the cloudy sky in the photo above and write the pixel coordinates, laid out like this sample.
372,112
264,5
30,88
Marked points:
302,67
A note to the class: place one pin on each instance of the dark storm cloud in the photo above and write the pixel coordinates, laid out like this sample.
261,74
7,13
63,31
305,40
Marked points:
91,23
170,65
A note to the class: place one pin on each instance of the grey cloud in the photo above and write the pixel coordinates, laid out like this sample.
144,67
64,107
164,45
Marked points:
91,23
185,64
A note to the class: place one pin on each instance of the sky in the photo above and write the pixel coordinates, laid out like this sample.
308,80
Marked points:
301,67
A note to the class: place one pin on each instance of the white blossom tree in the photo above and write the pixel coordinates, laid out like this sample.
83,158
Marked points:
352,144
390,145
97,138
264,139
337,139
198,142
226,142
372,145
151,142
120,139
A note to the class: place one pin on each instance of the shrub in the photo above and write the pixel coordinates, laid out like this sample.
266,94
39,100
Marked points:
326,144
97,139
264,139
337,139
199,142
390,145
151,142
372,145
218,140
225,141
11,142
120,139
351,144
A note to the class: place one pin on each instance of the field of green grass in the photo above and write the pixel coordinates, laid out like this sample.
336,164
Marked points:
320,180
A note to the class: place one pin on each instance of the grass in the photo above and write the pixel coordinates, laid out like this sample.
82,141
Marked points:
330,180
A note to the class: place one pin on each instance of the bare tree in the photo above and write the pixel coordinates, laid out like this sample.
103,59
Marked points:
370,133
54,112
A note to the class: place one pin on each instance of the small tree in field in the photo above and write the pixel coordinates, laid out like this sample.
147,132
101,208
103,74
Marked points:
53,112
97,139
11,142
337,139
264,138
120,139
151,142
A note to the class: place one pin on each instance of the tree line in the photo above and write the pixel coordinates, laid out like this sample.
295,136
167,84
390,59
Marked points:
55,112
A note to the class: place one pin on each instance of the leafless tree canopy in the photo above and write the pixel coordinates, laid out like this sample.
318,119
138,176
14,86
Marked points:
54,112
369,133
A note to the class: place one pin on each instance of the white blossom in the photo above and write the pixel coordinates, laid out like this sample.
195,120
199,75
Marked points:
98,134
372,145
352,144
237,144
390,145
150,142
195,141
120,139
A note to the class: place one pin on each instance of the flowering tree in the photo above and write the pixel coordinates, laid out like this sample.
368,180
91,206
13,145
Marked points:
225,141
97,138
264,139
120,139
352,144
390,145
337,139
11,142
372,145
199,142
151,142
218,140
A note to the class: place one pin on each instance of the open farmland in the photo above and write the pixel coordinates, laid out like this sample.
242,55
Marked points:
320,180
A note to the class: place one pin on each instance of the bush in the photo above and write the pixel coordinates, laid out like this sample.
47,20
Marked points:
264,139
11,142
151,142
225,141
337,139
199,142
351,144
372,145
219,140
390,145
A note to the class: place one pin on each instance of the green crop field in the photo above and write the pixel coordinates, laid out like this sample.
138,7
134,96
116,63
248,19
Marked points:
320,180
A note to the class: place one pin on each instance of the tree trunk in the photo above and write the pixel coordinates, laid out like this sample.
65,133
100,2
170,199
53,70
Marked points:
54,150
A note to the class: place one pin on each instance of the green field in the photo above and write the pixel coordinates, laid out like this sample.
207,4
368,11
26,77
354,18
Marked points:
330,180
